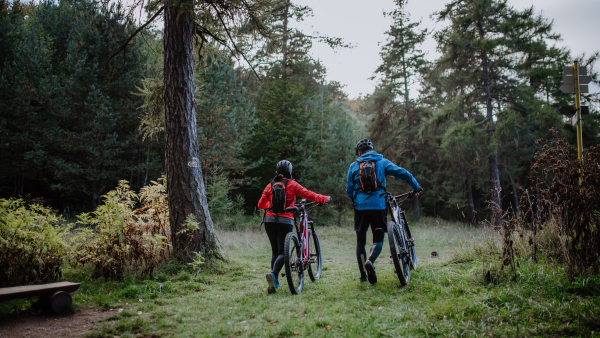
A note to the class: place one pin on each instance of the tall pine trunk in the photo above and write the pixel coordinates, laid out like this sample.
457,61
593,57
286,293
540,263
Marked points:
495,207
185,186
472,219
285,40
413,153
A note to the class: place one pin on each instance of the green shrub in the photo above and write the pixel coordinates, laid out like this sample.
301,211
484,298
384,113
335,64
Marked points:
33,243
226,212
123,239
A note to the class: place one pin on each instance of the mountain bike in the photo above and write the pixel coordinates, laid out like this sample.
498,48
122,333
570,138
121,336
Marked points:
402,244
299,254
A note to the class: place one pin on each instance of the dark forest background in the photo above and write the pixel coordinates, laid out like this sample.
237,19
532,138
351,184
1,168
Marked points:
76,117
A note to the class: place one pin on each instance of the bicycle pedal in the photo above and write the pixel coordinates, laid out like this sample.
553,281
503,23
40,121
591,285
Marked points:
311,261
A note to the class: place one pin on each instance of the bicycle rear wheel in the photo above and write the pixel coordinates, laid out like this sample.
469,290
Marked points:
293,263
399,255
315,269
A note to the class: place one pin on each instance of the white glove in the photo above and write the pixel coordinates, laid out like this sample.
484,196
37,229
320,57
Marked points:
328,198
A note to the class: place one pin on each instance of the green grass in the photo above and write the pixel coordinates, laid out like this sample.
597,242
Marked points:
228,299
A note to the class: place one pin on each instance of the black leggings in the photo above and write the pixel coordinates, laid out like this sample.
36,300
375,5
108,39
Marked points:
361,241
277,233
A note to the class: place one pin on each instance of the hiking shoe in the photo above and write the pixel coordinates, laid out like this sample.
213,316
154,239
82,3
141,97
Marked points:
276,282
271,280
371,276
363,279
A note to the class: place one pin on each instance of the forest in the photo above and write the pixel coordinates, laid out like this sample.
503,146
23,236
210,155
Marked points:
75,123
78,117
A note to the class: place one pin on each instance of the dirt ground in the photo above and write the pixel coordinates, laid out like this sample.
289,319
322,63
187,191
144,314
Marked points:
49,325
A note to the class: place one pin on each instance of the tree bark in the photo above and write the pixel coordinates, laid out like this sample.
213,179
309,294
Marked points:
285,40
185,186
495,206
470,198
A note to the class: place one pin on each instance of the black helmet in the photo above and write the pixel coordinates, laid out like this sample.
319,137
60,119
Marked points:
364,144
284,166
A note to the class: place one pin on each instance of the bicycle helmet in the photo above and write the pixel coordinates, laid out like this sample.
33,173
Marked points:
284,166
364,144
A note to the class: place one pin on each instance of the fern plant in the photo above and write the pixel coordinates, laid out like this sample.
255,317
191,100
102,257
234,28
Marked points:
33,243
121,239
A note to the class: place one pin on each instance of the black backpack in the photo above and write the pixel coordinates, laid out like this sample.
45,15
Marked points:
367,177
278,199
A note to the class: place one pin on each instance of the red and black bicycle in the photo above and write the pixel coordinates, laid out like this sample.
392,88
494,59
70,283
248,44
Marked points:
300,254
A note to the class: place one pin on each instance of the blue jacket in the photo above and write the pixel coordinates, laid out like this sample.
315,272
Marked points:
383,167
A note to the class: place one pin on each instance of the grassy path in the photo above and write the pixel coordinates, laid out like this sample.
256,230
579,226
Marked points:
443,298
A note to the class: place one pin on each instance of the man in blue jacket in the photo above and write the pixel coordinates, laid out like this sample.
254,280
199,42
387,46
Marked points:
369,208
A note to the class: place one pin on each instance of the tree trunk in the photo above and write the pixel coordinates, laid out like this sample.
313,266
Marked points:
416,213
516,200
185,186
470,198
285,40
478,210
495,207
413,153
340,213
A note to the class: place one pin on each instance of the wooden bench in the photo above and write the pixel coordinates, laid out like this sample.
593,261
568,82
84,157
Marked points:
55,296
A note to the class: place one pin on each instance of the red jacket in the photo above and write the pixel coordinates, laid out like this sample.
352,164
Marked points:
292,189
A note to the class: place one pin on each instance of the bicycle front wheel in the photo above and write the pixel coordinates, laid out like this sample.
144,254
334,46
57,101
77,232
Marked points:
293,263
398,253
315,269
411,246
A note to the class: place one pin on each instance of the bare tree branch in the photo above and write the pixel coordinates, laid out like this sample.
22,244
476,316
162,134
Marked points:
135,33
233,42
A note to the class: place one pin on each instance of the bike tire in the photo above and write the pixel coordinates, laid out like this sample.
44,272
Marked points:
293,271
395,245
411,249
318,264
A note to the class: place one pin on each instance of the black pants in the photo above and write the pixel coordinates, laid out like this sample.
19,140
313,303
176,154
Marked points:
377,220
277,233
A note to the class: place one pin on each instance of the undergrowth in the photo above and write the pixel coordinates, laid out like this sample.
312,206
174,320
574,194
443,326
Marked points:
120,239
33,243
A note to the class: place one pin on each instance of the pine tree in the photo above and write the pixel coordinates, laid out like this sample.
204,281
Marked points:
186,20
72,122
403,65
474,48
328,148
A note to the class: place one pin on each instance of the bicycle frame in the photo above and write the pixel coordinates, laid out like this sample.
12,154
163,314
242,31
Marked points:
398,214
302,229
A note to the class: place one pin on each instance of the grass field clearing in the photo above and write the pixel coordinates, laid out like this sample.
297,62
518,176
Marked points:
229,299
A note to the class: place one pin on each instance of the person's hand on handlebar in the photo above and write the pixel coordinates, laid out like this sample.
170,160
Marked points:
328,198
417,192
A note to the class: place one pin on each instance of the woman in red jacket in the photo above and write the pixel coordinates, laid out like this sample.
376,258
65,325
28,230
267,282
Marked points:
279,225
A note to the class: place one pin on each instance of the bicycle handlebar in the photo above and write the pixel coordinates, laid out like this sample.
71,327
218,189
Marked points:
409,194
297,206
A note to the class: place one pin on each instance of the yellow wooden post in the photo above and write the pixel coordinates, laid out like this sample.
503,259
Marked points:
578,112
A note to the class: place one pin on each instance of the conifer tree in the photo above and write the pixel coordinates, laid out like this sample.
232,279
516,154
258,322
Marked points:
403,64
474,47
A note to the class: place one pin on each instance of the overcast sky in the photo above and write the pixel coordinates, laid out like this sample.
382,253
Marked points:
362,24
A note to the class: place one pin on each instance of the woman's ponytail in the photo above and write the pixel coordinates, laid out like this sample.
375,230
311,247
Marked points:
278,177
